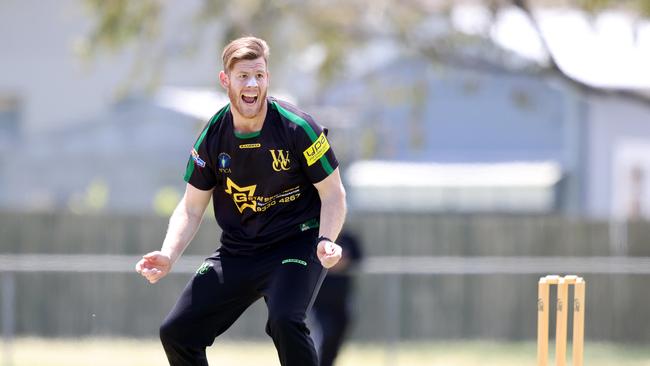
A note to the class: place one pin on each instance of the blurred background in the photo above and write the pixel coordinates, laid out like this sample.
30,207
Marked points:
482,144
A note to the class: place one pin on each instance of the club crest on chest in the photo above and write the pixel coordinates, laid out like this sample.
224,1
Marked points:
223,162
281,160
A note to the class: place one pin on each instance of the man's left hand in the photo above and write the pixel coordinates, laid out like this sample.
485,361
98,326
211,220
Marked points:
328,253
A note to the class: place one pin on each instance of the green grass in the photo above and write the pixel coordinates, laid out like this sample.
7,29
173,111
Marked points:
127,352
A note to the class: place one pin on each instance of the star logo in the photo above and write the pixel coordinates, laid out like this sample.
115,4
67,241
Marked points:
244,197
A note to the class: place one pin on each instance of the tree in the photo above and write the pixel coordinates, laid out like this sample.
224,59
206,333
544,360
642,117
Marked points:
338,25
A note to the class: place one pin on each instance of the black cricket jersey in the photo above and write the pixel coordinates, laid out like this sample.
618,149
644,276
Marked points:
263,181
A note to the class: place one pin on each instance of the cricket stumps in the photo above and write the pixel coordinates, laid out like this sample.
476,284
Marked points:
562,312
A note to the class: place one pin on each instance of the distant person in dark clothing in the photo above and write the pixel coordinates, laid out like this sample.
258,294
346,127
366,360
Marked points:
332,309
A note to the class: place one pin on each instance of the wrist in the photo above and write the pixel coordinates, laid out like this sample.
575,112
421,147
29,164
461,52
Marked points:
169,254
323,238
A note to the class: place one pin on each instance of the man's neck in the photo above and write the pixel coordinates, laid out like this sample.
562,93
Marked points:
248,125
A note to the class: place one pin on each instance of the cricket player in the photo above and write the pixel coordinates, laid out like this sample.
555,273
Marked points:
278,198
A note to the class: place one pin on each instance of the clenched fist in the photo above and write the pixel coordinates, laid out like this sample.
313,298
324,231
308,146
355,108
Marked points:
328,253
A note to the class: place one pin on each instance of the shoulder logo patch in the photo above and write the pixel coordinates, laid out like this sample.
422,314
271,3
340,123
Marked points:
197,160
316,151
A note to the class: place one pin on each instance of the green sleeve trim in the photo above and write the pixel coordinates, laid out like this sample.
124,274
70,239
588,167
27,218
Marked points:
189,170
308,129
249,135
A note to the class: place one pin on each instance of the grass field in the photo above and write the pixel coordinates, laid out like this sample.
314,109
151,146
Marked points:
126,352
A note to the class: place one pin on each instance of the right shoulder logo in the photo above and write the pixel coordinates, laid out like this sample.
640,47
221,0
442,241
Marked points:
197,159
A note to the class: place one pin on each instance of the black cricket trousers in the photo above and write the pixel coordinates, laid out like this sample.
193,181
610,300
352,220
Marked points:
287,276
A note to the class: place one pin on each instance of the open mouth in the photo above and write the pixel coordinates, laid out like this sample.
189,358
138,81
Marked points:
249,99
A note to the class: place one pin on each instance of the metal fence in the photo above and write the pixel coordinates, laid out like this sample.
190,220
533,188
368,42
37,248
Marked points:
424,277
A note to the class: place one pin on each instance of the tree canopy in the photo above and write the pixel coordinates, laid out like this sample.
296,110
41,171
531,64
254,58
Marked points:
337,25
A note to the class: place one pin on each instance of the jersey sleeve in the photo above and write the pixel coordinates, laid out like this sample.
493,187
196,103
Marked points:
199,171
315,152
200,167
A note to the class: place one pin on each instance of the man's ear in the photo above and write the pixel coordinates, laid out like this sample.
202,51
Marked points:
223,79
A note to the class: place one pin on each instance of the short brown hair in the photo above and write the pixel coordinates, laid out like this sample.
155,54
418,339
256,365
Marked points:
244,48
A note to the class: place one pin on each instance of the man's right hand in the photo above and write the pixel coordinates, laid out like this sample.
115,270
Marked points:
154,266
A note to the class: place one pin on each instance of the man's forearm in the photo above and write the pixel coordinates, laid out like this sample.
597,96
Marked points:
183,224
332,214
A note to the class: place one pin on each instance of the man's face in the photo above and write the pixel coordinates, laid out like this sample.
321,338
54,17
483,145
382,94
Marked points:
247,83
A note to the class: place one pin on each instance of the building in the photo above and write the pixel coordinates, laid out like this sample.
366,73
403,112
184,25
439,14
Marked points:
528,143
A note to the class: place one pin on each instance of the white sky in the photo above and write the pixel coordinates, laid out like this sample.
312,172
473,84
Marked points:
609,50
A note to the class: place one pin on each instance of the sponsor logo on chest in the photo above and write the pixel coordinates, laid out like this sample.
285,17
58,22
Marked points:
244,197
